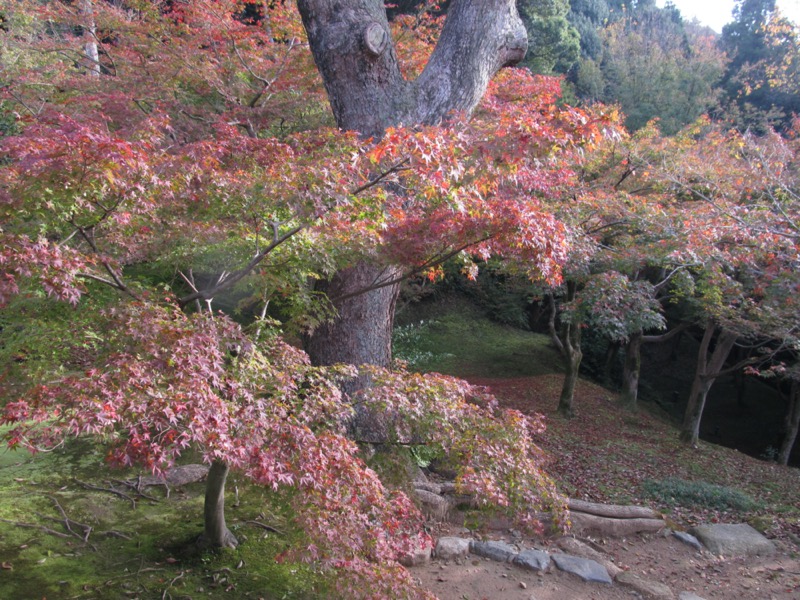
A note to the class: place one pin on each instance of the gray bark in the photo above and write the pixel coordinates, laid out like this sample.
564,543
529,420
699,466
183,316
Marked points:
90,49
355,55
791,424
215,531
631,371
366,90
708,369
567,339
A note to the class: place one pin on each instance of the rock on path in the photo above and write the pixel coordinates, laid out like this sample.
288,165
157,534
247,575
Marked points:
733,540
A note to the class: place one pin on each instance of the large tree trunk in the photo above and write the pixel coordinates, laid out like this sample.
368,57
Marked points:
791,424
361,334
215,531
355,55
708,369
631,370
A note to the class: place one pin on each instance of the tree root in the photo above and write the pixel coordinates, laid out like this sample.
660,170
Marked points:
35,526
109,490
266,527
614,527
75,529
140,484
613,511
612,519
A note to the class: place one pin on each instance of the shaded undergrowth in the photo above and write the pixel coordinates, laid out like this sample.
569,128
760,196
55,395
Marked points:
456,338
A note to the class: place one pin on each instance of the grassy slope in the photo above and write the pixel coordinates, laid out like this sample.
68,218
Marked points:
604,454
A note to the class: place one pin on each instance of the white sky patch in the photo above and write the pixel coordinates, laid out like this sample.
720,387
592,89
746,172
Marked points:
716,13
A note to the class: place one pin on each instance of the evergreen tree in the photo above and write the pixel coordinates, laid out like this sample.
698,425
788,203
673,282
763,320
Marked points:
762,46
553,41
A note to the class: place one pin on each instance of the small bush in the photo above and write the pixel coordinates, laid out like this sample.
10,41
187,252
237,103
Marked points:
698,493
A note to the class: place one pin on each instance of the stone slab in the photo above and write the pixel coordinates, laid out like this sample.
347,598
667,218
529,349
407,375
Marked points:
450,548
688,539
738,539
499,551
419,556
652,590
532,560
585,568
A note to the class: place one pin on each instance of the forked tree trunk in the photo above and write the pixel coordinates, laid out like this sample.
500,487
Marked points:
791,424
355,55
572,362
215,532
631,371
708,369
567,339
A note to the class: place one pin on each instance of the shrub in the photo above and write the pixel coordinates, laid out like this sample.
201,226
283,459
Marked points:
675,491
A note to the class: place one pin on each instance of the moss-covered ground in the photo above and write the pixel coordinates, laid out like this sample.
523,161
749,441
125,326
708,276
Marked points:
142,551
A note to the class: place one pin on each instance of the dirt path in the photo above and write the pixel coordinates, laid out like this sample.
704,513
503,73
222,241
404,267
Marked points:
653,557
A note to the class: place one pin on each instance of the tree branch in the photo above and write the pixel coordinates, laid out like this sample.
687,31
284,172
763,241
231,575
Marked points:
656,339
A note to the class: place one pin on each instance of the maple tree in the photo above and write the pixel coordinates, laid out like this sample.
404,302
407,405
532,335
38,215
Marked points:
734,196
191,159
716,240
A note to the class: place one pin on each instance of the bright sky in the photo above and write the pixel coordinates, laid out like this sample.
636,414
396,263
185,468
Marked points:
716,13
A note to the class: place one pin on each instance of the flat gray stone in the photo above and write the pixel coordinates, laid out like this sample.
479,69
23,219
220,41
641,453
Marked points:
733,540
688,539
575,547
585,568
646,588
689,596
177,476
449,548
532,560
499,551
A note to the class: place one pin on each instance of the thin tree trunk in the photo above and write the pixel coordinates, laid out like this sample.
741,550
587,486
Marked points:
708,369
690,431
630,374
567,339
215,531
90,50
791,424
572,362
